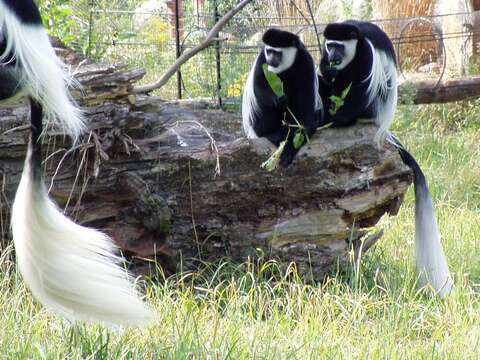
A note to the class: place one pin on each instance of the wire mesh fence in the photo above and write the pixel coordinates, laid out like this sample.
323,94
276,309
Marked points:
153,33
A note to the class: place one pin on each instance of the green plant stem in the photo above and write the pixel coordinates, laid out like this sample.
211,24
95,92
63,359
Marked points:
298,124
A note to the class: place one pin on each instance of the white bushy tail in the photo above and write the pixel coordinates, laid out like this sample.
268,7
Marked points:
430,257
71,269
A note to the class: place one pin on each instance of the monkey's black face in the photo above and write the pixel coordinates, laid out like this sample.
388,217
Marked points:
340,52
279,59
273,57
335,53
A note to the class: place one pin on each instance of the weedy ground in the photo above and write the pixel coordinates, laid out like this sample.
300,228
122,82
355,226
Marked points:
375,311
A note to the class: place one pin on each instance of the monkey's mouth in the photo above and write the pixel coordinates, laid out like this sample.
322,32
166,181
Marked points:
273,63
273,69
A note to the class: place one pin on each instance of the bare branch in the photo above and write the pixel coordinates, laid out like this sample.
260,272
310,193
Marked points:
211,37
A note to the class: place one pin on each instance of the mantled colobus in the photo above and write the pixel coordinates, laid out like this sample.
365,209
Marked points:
71,269
263,112
359,61
358,78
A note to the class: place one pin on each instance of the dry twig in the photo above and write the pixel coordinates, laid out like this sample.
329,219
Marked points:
213,143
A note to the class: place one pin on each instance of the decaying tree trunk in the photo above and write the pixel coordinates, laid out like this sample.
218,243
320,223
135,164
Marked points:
432,92
145,174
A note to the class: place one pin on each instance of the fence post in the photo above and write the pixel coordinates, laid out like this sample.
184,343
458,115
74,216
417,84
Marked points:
90,28
216,16
178,48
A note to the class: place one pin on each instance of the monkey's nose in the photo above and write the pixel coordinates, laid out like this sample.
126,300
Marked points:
273,62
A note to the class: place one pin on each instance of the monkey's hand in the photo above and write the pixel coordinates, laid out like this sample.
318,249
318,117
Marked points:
281,102
288,154
330,73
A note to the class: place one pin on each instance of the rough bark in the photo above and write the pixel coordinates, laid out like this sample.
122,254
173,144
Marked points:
429,92
145,174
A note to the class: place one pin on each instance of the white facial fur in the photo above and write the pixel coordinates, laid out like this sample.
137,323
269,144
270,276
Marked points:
288,58
350,50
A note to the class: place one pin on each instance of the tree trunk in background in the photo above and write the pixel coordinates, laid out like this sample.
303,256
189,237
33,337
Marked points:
455,29
476,30
145,175
172,6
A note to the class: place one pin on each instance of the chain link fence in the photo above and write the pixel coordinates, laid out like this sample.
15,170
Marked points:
152,33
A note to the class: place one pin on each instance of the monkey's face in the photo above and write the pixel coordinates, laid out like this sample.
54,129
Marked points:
340,53
279,59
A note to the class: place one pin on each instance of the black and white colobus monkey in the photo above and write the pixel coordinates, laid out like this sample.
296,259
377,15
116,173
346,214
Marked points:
263,112
71,269
360,55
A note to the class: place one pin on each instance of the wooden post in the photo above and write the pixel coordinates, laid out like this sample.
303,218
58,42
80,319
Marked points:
176,7
216,17
178,48
476,29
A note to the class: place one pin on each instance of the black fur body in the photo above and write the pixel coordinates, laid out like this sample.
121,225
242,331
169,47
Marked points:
25,10
359,103
266,114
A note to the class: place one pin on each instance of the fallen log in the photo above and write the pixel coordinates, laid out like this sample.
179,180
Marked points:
147,174
434,92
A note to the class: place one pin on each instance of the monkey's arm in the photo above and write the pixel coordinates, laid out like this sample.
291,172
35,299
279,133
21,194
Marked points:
289,151
277,136
307,117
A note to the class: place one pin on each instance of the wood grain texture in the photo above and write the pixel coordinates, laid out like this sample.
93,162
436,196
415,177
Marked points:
145,175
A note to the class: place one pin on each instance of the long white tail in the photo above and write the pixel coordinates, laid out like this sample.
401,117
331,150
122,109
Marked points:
430,257
71,269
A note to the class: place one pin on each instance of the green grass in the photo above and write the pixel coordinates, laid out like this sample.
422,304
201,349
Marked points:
255,312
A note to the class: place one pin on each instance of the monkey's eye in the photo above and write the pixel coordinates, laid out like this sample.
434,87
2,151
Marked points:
273,52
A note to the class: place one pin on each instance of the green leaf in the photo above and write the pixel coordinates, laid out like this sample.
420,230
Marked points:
298,139
346,91
274,81
339,101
